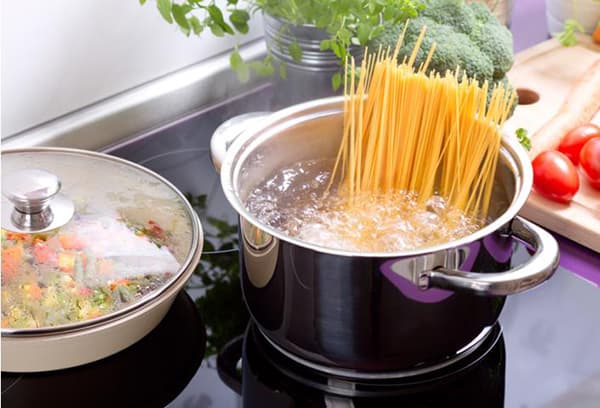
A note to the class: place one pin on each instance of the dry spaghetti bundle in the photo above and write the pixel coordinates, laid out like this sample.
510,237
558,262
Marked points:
431,134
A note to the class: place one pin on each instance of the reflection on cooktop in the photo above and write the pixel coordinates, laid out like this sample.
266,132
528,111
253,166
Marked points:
270,379
150,373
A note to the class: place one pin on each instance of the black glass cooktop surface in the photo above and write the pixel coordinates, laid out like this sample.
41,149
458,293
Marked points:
544,351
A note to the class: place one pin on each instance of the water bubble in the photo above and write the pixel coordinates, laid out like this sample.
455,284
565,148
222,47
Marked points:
294,201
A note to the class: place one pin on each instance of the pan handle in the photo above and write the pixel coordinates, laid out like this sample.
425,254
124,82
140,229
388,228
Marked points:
536,270
228,131
227,360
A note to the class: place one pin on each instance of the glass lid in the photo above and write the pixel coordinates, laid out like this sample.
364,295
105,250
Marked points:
86,237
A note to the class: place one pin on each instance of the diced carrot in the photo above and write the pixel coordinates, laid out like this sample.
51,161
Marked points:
66,262
71,242
5,322
12,259
43,254
17,236
119,282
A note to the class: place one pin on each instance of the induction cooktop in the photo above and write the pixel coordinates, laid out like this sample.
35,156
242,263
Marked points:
205,353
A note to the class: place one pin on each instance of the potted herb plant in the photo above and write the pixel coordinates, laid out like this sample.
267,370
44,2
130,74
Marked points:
303,35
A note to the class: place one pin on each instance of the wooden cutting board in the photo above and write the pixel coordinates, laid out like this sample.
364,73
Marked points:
549,70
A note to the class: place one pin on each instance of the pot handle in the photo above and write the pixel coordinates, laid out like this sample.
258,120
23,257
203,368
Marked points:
228,131
536,270
227,361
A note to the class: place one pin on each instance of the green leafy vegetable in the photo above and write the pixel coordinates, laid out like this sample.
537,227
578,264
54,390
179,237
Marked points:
239,19
567,36
336,80
164,7
216,29
295,51
363,32
523,139
263,68
196,26
348,21
239,66
179,13
217,16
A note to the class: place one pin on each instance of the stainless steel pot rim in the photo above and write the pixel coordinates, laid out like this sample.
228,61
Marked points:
185,270
274,123
391,375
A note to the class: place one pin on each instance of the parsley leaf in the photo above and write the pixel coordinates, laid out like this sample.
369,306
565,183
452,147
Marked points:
523,139
567,36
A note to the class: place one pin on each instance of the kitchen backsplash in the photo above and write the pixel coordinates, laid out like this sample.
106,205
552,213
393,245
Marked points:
59,56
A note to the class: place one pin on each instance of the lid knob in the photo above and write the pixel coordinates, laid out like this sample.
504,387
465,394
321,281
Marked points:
31,191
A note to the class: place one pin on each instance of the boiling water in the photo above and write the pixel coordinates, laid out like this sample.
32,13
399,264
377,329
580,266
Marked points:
294,202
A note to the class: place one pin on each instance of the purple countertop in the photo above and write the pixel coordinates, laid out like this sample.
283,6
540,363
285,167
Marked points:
580,260
528,25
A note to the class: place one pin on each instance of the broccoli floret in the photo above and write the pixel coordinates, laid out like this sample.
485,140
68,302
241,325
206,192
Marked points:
453,13
453,49
482,13
467,35
493,39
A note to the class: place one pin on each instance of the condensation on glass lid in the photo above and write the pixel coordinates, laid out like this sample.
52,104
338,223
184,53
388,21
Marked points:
110,188
292,201
129,237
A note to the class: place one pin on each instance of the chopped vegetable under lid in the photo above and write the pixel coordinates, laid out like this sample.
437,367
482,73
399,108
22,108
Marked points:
86,236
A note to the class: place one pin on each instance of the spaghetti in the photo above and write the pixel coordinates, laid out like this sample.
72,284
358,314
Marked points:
433,134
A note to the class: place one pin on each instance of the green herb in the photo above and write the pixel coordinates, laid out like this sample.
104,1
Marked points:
218,274
348,22
336,80
523,139
567,36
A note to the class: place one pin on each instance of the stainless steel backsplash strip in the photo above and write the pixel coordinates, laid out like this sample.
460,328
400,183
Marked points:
146,106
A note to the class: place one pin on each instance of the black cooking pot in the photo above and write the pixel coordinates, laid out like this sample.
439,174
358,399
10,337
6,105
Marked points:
341,311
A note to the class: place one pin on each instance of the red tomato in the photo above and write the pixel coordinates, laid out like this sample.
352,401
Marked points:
573,141
590,161
554,176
